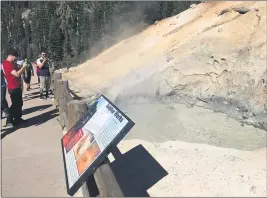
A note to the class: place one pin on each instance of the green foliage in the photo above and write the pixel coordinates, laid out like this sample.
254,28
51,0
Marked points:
70,30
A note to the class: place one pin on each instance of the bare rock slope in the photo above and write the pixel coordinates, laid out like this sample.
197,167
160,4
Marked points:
212,55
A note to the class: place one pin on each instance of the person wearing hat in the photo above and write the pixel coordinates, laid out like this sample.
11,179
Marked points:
13,77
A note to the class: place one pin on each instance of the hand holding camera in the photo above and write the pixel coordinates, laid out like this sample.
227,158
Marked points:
44,59
25,65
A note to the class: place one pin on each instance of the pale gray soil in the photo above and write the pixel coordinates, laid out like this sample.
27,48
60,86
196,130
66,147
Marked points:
157,122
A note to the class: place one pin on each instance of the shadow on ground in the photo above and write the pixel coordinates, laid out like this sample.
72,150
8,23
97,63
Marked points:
137,171
33,121
30,96
36,108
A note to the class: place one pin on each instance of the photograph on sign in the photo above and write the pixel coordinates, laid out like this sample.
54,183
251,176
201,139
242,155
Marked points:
90,137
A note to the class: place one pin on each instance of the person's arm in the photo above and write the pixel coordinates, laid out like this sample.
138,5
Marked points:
40,65
19,72
35,66
32,71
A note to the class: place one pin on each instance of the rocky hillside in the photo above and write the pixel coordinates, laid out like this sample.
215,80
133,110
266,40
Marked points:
212,55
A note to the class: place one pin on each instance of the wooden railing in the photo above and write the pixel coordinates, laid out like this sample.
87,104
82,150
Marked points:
71,108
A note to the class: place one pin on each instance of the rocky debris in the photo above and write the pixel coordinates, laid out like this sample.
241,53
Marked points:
169,58
64,70
193,6
156,22
224,11
72,69
240,10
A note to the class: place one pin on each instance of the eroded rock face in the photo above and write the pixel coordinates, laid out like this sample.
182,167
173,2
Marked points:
215,73
228,85
202,60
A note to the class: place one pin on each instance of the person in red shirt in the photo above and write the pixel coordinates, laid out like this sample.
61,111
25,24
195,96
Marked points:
13,78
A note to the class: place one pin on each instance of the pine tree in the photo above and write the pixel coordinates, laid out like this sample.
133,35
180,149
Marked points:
55,40
69,29
27,33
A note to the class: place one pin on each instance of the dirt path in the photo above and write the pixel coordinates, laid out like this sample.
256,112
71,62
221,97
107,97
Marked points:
32,162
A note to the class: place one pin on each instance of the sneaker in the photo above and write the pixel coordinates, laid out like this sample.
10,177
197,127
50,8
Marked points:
9,122
3,115
8,125
18,121
41,97
51,97
21,120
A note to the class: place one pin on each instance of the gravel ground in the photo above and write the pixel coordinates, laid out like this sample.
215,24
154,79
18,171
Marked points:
192,170
209,154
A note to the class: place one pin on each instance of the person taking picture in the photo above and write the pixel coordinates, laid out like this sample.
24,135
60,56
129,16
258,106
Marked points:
45,78
13,77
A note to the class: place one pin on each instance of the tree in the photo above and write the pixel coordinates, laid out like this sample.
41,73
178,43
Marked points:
55,40
71,30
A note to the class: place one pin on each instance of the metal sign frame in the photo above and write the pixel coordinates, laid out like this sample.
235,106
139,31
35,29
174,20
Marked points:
97,162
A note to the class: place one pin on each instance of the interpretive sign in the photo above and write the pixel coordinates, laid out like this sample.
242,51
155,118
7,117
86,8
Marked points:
91,139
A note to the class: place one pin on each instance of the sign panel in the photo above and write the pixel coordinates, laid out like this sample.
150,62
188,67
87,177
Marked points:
89,141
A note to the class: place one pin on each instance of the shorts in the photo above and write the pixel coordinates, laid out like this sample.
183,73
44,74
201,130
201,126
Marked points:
27,79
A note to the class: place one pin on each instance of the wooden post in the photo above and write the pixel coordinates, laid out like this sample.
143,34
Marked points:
76,109
56,77
62,103
106,181
52,71
63,98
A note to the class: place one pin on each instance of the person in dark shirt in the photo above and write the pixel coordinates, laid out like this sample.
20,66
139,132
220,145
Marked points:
45,79
28,73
